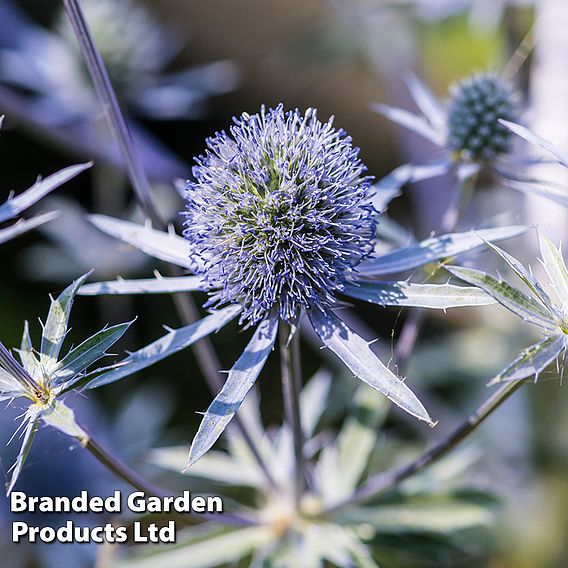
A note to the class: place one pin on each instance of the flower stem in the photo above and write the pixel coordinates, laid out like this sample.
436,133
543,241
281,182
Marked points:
290,365
185,305
385,481
122,471
111,108
415,320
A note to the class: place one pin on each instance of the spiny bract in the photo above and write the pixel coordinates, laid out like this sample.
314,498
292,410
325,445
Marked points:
279,213
476,105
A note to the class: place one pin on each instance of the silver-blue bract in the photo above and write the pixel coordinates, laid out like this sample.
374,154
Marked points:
279,214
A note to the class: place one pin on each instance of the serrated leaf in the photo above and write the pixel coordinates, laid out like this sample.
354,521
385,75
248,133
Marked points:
217,550
171,343
16,205
62,418
555,267
533,360
508,296
240,380
357,355
163,246
144,286
87,353
411,121
55,327
434,296
358,436
26,353
30,429
432,517
529,280
435,249
557,153
23,226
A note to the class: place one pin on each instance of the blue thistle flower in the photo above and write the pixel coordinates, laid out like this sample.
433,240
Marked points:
476,106
279,214
281,221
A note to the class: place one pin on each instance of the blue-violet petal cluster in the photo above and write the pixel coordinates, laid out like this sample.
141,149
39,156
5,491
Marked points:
279,214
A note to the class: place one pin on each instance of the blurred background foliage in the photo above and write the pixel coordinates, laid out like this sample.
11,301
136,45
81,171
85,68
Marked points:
338,56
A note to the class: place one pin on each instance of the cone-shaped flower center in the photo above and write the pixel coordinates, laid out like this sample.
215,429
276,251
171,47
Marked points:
279,213
477,104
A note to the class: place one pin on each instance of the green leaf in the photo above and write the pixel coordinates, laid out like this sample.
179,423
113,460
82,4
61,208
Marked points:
313,399
240,380
508,296
167,345
529,280
30,428
358,435
24,225
446,517
533,360
55,327
16,205
435,249
144,286
555,267
163,246
62,418
218,550
87,353
357,355
217,467
435,296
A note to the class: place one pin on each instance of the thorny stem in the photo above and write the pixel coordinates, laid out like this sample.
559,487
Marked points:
414,322
185,305
122,471
385,481
290,363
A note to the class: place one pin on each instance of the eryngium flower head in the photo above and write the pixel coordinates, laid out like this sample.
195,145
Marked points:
279,213
476,105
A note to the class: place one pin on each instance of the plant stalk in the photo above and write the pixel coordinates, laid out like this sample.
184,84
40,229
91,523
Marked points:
185,305
388,480
415,320
290,365
123,472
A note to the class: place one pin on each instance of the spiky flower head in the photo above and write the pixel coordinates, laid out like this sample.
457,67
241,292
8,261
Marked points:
476,105
279,214
131,42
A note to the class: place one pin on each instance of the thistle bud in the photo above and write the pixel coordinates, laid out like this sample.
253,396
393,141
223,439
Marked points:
476,105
